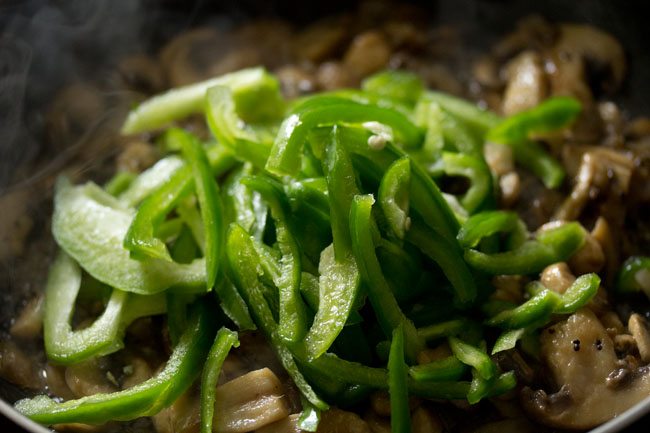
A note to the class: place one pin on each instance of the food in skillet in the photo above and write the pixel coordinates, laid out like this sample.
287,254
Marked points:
389,258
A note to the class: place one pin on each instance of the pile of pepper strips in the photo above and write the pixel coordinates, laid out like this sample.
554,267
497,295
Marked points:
320,223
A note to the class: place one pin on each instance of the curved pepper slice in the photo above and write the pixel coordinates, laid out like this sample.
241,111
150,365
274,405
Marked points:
394,196
104,336
485,224
400,414
551,115
231,113
476,170
402,86
144,399
381,297
90,225
179,103
246,269
292,314
223,342
551,246
209,200
634,276
286,153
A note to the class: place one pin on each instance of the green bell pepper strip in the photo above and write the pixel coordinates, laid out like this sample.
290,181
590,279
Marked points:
339,274
309,416
179,103
479,121
381,297
551,246
474,357
536,309
429,115
249,142
207,192
232,304
527,153
223,342
477,171
150,180
144,399
534,158
441,251
140,239
119,183
242,205
484,224
339,283
583,289
551,115
394,196
425,197
90,225
286,152
508,340
446,369
104,336
292,314
400,414
634,276
450,328
245,265
402,86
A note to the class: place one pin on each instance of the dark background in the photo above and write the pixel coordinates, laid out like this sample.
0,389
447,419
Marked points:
46,44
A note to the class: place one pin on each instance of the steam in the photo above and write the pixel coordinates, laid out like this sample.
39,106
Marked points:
45,46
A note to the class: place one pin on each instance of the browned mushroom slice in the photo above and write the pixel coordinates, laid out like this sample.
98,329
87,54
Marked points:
602,53
600,170
527,85
30,321
249,402
368,53
581,358
141,73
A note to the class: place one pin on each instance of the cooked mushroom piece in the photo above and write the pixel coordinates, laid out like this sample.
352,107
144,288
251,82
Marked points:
601,52
30,321
249,402
581,358
527,85
601,170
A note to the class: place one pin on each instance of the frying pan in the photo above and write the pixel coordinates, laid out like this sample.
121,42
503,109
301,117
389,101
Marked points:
45,45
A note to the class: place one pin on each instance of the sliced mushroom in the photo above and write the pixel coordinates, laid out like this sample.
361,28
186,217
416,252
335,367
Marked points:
285,425
368,53
601,169
17,367
136,157
88,378
249,402
580,356
602,53
141,73
380,403
527,86
30,320
335,75
336,420
557,277
425,421
589,258
74,111
183,416
295,81
15,223
638,327
322,40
